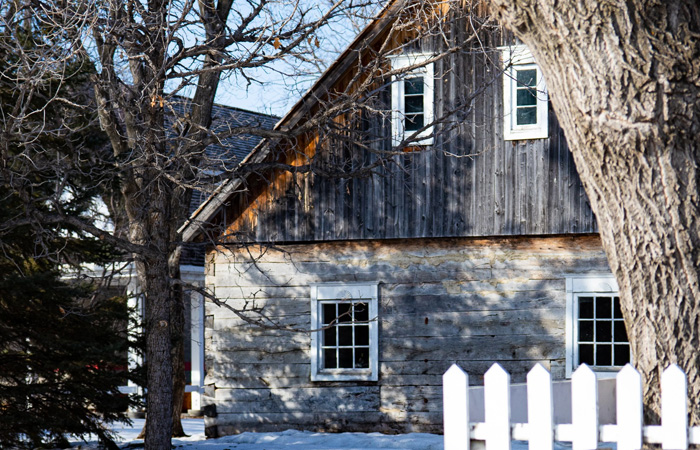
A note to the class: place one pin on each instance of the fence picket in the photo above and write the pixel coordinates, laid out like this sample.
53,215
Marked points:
497,408
584,432
674,410
540,409
584,408
455,410
629,409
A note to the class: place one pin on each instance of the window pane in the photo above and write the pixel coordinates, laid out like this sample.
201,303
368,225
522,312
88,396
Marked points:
414,122
329,359
620,331
585,307
413,86
617,310
526,116
344,313
414,104
526,97
603,355
342,342
345,359
603,307
585,354
362,358
585,330
329,336
603,331
622,355
526,78
345,335
328,313
361,312
361,335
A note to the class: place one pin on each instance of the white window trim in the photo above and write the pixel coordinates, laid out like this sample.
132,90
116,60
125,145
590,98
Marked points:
584,284
518,57
337,291
397,96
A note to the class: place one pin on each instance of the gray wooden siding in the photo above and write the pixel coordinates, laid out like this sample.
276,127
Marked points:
441,301
469,183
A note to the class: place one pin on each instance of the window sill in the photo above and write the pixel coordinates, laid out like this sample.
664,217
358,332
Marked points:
365,375
523,135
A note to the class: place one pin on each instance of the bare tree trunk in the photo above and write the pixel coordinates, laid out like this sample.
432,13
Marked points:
177,349
158,351
623,79
148,197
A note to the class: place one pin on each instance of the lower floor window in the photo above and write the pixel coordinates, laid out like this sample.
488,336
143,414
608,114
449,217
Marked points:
602,337
595,329
345,336
344,332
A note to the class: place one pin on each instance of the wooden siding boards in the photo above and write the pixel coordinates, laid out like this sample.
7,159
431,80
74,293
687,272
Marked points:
465,300
504,188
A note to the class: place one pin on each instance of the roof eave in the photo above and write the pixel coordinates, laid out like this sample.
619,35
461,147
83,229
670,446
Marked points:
191,228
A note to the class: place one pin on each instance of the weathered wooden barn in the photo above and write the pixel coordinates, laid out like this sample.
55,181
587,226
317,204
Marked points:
436,218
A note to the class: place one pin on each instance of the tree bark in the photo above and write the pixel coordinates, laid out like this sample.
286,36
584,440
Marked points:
158,351
624,80
177,346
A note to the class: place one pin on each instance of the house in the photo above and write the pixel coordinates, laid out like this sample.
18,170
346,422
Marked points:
443,223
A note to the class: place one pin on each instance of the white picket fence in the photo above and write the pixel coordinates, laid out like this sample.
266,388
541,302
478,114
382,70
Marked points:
585,430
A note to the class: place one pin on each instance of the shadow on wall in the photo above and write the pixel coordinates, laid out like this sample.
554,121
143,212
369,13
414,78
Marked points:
442,301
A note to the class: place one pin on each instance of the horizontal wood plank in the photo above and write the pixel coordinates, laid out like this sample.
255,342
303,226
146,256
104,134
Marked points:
444,301
232,423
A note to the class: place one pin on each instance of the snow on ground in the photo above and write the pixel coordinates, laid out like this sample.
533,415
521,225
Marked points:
286,440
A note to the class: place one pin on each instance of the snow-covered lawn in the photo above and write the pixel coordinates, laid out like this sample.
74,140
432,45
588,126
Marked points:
287,440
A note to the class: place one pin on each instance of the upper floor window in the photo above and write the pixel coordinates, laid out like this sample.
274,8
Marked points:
524,96
344,340
412,100
596,333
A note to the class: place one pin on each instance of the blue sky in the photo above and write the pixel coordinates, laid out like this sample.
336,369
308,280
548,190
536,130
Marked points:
271,96
281,85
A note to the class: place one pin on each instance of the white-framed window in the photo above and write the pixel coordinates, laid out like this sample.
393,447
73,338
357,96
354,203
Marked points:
345,333
412,98
595,330
525,96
